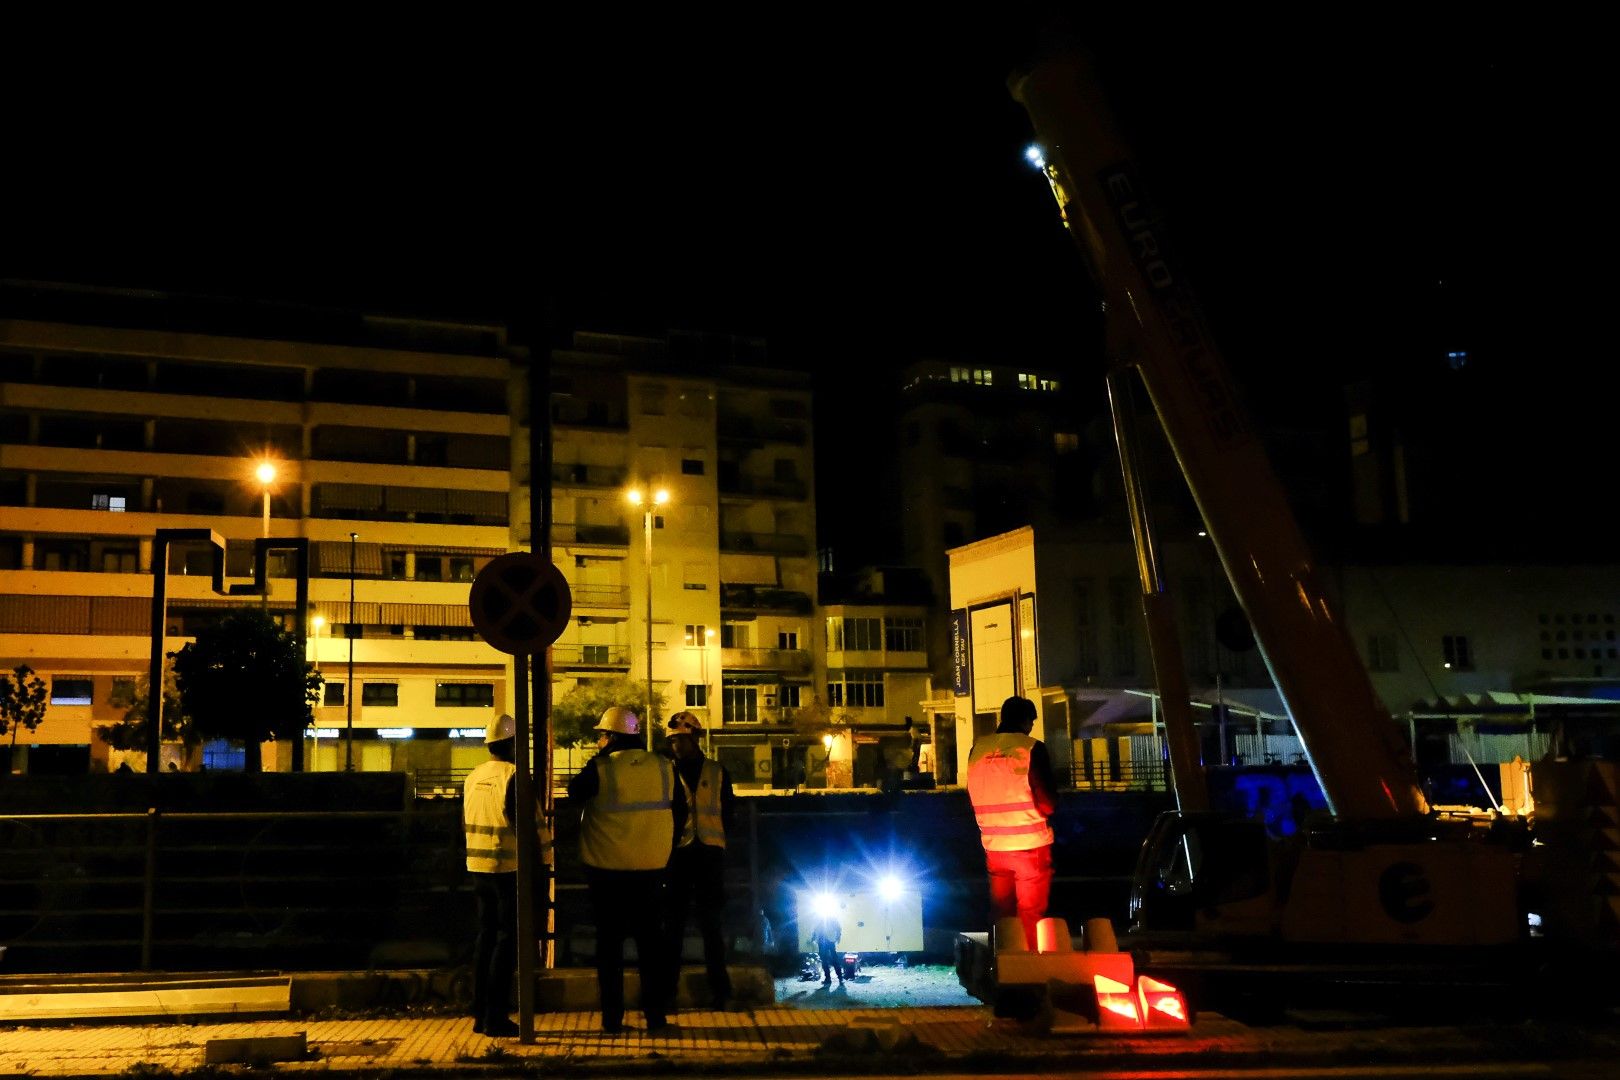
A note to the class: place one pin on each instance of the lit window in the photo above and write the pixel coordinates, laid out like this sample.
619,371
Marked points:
116,503
1065,442
72,690
1458,656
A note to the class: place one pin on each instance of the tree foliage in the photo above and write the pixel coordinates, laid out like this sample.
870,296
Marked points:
130,732
576,712
23,699
245,679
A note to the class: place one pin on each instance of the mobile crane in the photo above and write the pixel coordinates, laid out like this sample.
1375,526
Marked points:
1387,869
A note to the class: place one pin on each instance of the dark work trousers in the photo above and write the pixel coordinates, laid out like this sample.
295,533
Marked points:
1020,883
629,903
831,962
697,874
495,955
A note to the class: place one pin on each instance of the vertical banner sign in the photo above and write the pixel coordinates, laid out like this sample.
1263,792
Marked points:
959,651
1028,669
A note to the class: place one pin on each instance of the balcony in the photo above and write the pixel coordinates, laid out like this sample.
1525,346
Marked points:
764,543
567,532
600,596
759,487
591,476
573,412
591,657
764,598
749,429
796,661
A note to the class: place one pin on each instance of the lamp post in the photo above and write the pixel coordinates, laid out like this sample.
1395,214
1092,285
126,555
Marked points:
317,622
266,473
348,690
648,501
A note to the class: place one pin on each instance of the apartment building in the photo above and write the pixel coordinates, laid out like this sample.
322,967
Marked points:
725,567
390,444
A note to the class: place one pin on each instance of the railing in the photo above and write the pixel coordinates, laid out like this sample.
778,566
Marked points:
590,655
227,891
762,487
768,543
588,475
766,659
599,595
608,535
762,598
1117,776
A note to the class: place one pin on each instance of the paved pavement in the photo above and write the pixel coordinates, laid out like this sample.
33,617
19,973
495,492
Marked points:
772,1039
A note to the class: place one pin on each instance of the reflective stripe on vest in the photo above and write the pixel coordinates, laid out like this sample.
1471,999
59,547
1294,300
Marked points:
491,838
703,821
1003,802
627,824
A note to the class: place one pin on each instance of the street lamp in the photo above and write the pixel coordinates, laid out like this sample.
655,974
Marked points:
348,690
266,473
648,501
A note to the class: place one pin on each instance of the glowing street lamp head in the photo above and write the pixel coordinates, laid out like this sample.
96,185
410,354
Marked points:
266,472
634,495
827,741
318,621
1035,156
660,496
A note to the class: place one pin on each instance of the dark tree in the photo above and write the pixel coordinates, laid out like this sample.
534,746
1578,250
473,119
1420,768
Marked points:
22,702
130,732
246,680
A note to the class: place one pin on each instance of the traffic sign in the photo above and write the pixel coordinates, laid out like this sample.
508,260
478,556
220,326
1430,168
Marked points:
520,603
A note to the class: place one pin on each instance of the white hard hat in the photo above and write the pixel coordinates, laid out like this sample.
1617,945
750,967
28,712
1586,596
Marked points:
502,727
619,720
685,723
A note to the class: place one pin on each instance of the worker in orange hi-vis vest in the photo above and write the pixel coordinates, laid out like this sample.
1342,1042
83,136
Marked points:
1013,793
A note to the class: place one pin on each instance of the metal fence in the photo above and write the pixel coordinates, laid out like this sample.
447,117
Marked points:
1126,775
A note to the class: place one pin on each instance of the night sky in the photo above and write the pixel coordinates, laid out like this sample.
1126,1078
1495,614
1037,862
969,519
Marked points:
1351,195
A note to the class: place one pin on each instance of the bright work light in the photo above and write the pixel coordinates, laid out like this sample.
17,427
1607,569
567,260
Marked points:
890,887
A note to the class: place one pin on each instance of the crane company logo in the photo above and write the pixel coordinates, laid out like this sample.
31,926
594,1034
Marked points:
1403,891
1140,225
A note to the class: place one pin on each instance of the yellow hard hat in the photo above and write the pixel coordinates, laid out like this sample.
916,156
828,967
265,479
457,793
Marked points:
685,723
619,720
502,727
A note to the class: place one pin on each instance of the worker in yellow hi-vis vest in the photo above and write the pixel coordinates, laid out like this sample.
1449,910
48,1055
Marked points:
632,809
1014,795
697,872
489,818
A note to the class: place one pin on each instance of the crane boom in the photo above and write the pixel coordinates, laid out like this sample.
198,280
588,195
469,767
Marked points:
1154,324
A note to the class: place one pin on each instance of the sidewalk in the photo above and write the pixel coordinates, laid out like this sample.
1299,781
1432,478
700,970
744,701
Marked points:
774,1039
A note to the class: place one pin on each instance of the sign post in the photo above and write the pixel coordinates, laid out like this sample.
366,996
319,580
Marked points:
520,604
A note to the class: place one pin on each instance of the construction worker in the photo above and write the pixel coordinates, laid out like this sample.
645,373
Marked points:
489,818
632,809
697,870
1010,784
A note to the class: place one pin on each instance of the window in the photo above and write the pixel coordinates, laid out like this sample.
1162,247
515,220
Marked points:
692,466
740,704
594,654
791,696
379,693
115,503
119,561
854,634
735,636
1124,608
959,374
72,690
429,568
1065,442
697,696
332,693
464,695
1382,654
1456,651
855,690
461,568
787,639
983,377
396,566
123,690
903,633
697,634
